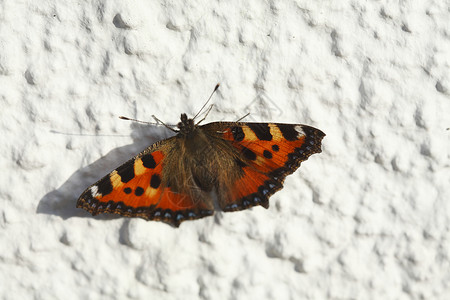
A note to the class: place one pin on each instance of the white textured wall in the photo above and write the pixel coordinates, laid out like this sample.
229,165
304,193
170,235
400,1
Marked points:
368,218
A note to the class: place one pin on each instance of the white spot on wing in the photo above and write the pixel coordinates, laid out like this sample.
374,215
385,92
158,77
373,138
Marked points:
300,131
94,191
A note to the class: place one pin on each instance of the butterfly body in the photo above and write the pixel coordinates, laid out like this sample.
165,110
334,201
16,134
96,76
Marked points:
172,180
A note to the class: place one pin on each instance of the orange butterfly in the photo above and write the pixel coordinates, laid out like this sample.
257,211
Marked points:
172,180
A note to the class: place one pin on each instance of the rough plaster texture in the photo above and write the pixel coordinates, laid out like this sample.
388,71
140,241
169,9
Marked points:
368,218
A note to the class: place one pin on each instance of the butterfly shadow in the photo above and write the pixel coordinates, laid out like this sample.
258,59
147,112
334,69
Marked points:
62,201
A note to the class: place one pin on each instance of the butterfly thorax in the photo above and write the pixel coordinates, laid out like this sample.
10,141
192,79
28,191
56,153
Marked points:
186,126
195,156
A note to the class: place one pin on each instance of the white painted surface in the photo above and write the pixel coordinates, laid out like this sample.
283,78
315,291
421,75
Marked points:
366,219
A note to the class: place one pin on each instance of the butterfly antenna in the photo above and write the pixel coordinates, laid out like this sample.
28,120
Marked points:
137,121
158,122
243,117
206,114
215,89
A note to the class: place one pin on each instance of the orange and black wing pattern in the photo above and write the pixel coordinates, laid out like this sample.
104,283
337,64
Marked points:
139,188
265,153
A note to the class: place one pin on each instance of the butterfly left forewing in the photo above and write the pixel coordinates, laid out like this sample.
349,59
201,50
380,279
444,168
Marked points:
263,155
147,186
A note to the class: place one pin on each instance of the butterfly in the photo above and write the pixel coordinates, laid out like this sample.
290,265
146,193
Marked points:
173,179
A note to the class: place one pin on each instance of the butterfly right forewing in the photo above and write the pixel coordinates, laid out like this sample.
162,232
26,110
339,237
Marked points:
262,155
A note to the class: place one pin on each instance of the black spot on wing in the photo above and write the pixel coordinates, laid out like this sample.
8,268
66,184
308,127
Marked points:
104,186
267,154
155,181
261,130
148,161
248,154
126,172
139,191
238,133
288,131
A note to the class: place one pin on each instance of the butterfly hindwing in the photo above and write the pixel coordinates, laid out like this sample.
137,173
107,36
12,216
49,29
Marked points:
268,152
144,187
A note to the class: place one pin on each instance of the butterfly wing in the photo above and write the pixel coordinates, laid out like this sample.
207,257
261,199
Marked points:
149,186
262,155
